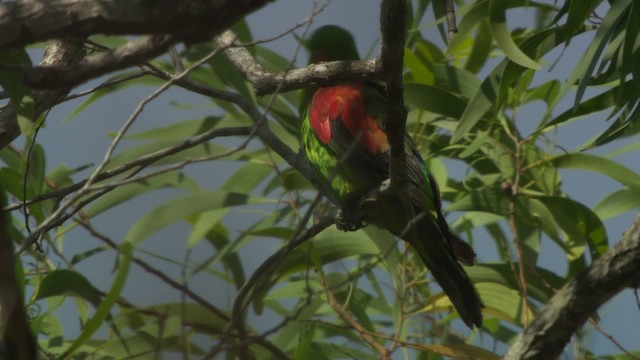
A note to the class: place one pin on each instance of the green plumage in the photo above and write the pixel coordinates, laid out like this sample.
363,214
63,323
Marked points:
343,138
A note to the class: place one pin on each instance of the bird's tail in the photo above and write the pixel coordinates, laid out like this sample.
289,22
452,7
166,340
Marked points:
437,253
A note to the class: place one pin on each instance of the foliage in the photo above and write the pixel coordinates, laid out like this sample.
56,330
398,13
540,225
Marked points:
470,101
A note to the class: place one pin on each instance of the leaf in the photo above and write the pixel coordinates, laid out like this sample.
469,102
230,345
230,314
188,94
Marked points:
606,100
632,43
203,225
540,281
481,102
136,152
102,311
499,301
583,69
579,222
604,166
130,191
66,282
77,258
492,200
330,245
458,350
248,177
180,130
505,303
97,95
180,208
12,82
502,35
37,164
456,81
433,99
624,126
578,12
618,203
476,14
481,49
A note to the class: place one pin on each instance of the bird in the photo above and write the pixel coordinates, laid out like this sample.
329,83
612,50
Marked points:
343,137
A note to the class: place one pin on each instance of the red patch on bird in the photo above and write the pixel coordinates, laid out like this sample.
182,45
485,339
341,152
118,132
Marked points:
346,103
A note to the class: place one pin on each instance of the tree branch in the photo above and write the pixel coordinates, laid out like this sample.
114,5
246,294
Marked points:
392,23
571,306
29,21
383,352
327,73
132,53
65,52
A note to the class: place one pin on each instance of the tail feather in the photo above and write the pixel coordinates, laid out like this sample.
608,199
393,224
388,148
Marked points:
431,238
439,257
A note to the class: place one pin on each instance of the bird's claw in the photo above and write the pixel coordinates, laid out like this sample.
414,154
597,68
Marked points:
346,223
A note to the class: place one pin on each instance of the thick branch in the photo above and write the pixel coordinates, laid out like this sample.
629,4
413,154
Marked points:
392,22
567,311
29,21
327,73
132,53
65,52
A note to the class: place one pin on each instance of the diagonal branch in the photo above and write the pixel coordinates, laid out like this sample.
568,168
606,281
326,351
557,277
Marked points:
552,328
132,53
28,21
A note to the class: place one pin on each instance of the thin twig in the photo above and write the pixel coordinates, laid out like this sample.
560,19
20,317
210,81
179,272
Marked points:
451,18
344,314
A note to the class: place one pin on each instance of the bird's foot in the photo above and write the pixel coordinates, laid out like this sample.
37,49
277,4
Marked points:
349,216
347,223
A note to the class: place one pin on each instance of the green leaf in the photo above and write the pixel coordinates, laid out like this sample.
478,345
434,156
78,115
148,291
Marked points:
248,177
124,193
475,16
91,326
459,350
492,200
540,281
136,152
482,101
419,71
613,97
599,164
433,99
12,82
37,164
179,130
499,301
632,43
330,245
457,81
481,49
625,125
583,69
578,13
66,282
203,225
97,95
77,258
579,222
618,203
180,208
502,35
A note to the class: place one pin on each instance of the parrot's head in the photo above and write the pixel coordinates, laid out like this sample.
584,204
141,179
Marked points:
331,43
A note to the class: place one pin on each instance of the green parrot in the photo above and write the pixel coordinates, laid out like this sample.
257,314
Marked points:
343,137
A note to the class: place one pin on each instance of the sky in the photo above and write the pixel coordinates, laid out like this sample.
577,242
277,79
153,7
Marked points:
84,139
